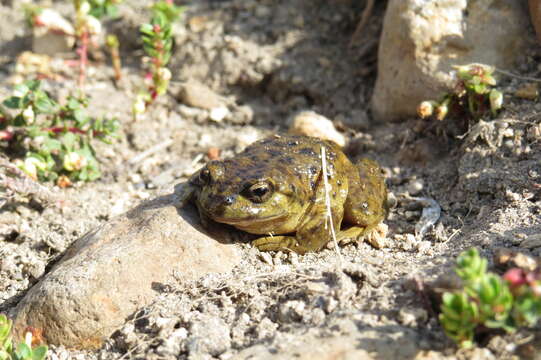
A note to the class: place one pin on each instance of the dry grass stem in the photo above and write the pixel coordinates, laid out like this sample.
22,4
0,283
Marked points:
328,203
362,23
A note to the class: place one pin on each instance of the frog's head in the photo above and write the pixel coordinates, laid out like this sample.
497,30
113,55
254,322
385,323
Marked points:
256,199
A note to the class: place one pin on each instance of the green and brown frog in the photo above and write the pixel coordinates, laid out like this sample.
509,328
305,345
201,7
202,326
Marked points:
275,187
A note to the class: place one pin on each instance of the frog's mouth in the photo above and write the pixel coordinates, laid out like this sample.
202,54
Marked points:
249,220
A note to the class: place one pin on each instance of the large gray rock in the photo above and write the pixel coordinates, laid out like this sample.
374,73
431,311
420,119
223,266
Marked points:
117,268
423,39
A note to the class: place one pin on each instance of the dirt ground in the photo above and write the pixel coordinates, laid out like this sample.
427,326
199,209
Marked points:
270,59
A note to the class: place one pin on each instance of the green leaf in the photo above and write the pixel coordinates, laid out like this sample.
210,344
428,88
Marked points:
44,105
33,85
147,29
73,103
80,117
150,51
13,102
24,351
51,145
39,353
69,140
21,88
19,120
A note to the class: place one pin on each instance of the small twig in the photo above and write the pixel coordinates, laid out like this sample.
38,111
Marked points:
328,204
113,44
362,23
21,183
521,77
156,148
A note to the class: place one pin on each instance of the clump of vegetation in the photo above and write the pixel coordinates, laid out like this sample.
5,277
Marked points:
488,300
474,95
86,24
22,351
52,141
157,40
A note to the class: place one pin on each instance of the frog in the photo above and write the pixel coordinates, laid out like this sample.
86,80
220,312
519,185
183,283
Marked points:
277,188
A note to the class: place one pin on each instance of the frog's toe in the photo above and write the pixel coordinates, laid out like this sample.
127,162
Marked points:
377,236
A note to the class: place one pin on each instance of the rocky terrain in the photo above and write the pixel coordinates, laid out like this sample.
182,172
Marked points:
265,61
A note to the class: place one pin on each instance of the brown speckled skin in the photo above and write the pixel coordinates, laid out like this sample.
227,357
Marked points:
289,168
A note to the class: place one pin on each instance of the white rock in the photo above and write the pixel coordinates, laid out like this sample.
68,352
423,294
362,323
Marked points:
219,113
310,123
53,34
423,39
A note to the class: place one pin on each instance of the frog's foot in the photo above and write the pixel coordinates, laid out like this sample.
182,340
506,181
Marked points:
277,243
375,236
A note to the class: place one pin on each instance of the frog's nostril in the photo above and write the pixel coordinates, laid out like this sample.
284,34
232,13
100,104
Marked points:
229,200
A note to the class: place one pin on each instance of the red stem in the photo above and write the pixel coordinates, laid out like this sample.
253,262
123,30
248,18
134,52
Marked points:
83,57
59,129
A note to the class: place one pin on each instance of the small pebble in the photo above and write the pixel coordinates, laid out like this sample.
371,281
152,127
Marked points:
312,124
531,242
529,91
219,113
213,153
415,187
412,316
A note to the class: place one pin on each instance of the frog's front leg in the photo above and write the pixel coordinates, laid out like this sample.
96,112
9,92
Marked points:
185,193
283,243
275,243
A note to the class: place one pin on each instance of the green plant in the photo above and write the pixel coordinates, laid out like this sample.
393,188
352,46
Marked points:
474,95
488,300
101,8
86,24
157,40
53,140
24,350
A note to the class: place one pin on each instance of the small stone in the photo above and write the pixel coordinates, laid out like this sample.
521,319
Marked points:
210,335
190,112
196,94
291,311
415,187
53,34
262,11
219,113
529,91
534,132
172,345
412,316
424,246
266,257
312,124
531,242
213,153
197,23
411,215
266,329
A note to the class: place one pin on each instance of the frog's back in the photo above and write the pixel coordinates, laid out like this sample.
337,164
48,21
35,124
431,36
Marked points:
291,158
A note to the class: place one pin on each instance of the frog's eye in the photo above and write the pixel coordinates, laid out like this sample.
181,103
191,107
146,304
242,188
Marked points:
259,192
203,178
